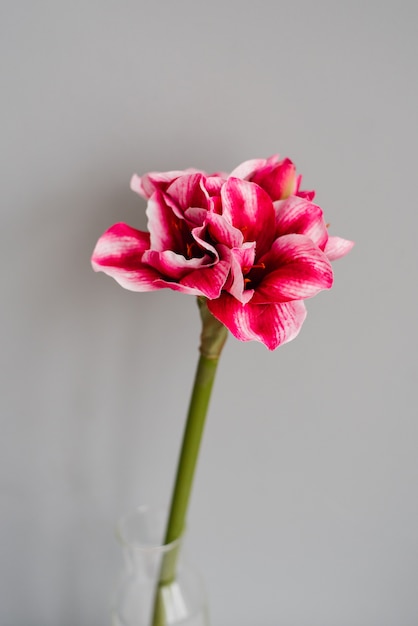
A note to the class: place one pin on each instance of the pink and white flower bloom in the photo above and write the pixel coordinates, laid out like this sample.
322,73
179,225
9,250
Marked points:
250,242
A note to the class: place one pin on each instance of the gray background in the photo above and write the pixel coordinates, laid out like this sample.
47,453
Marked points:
305,509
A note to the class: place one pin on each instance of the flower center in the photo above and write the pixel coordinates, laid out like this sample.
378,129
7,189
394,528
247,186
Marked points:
253,275
193,250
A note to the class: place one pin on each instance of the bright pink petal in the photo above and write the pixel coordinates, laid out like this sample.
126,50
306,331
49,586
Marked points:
222,231
147,184
195,216
247,207
120,243
297,215
200,237
279,181
118,253
165,227
203,276
272,324
172,265
208,281
215,205
241,259
295,269
337,247
188,191
213,184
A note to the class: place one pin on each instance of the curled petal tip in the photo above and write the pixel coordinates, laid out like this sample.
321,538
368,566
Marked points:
337,247
136,185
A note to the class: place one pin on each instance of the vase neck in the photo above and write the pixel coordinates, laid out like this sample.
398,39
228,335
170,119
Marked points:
140,535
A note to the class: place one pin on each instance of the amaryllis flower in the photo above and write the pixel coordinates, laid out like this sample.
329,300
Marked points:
250,242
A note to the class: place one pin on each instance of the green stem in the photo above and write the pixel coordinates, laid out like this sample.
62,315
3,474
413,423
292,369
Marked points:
199,402
213,337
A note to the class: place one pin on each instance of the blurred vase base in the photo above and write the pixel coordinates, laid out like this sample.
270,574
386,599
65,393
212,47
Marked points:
141,599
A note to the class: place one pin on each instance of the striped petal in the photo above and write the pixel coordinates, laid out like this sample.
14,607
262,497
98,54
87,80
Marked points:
118,253
213,184
221,230
297,215
295,269
188,191
208,281
241,259
172,265
337,247
272,324
247,207
147,184
279,180
167,227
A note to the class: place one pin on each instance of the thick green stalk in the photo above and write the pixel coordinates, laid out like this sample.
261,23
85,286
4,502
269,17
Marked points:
199,402
213,337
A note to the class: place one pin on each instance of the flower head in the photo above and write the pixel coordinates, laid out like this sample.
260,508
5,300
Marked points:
250,242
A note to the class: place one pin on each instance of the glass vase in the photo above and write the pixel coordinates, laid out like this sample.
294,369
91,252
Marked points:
158,586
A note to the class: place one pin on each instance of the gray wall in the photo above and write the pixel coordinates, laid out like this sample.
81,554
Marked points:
305,507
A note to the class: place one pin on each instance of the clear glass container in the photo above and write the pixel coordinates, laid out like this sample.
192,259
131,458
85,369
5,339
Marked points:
158,586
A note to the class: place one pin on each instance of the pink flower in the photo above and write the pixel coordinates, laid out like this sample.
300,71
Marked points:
252,243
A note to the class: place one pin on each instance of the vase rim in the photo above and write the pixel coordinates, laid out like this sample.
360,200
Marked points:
145,545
